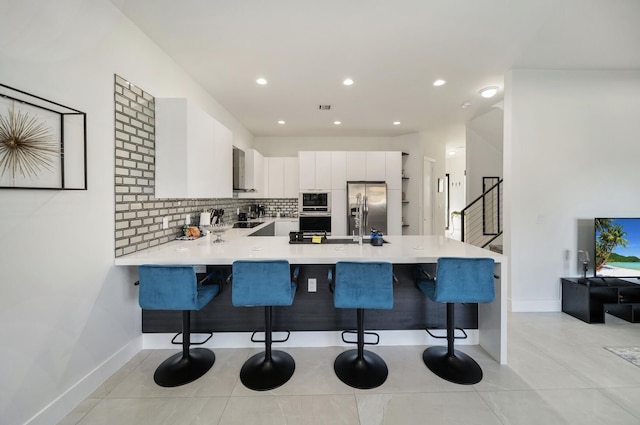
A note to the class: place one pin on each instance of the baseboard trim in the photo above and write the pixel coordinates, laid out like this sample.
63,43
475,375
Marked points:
535,306
307,339
55,411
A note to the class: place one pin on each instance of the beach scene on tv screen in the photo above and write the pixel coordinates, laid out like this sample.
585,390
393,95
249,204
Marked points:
617,247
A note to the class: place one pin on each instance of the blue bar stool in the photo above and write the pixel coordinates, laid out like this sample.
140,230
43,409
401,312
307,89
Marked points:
165,287
362,285
458,280
265,283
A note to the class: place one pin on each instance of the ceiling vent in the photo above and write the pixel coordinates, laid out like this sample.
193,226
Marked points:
324,107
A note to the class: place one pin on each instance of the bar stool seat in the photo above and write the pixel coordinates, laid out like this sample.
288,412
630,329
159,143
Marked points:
173,287
362,285
458,280
265,283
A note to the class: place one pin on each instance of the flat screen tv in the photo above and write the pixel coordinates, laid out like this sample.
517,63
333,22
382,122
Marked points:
617,247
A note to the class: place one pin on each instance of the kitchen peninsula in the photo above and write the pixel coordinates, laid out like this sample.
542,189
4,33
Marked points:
402,251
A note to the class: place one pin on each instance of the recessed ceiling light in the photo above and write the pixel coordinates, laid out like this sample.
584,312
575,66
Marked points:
261,81
466,105
337,122
347,82
396,123
488,92
281,122
439,83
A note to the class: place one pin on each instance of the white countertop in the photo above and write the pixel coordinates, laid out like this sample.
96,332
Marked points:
240,246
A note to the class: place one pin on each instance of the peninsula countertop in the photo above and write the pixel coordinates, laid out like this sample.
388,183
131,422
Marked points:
240,246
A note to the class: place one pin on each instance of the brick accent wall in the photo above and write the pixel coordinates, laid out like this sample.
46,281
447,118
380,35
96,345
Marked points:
138,214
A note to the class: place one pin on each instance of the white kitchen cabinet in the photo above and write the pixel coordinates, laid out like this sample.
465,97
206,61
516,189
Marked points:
291,177
275,177
393,166
307,173
323,170
376,166
193,152
285,226
339,212
356,166
282,177
394,212
338,170
315,170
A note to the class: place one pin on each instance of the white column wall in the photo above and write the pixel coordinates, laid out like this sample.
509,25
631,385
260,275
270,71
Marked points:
571,153
69,316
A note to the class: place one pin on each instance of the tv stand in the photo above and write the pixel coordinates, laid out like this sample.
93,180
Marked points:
589,299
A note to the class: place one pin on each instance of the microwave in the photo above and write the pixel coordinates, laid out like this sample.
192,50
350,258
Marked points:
315,202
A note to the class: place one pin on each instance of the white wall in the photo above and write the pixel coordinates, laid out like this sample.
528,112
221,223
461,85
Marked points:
433,145
65,308
571,154
484,155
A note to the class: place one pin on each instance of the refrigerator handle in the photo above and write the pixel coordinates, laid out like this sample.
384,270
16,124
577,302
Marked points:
365,213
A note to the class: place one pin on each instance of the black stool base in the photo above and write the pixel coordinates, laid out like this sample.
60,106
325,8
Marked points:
364,373
178,370
260,374
459,368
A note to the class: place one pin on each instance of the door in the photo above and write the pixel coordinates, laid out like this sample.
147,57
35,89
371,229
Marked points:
427,197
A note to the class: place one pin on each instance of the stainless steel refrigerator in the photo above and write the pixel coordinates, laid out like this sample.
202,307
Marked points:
374,202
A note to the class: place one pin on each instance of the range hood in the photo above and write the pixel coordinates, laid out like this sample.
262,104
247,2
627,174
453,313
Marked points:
239,171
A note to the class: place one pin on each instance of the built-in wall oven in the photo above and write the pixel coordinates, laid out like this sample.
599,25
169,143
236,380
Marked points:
314,212
314,202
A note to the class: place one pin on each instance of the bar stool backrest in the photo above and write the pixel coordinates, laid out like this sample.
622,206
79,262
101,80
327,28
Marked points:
262,283
464,280
363,285
168,287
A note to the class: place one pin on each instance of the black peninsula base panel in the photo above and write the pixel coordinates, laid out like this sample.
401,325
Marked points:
314,311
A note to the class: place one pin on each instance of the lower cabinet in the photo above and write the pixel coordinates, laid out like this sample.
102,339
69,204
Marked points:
284,227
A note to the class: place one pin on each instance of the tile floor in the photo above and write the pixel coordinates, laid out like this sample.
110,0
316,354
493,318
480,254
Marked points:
558,374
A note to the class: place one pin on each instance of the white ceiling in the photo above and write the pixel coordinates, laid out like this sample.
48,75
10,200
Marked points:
393,49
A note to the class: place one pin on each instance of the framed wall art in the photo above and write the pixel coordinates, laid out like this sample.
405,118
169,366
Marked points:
43,144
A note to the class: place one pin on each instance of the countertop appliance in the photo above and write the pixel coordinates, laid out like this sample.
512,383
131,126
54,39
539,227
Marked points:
374,206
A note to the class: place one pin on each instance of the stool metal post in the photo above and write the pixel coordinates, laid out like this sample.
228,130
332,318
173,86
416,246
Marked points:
265,283
175,287
362,285
458,280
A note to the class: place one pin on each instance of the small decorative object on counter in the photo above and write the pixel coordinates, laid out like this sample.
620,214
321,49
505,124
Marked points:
189,233
376,238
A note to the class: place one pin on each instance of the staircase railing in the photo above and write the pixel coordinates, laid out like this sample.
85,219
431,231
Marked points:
481,220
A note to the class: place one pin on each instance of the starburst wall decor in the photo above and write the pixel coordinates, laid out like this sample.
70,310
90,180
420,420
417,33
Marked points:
42,143
27,145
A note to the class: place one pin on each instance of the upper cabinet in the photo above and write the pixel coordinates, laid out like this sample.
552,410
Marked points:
331,170
393,170
193,152
315,170
282,177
